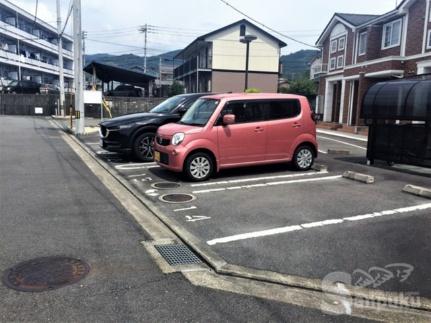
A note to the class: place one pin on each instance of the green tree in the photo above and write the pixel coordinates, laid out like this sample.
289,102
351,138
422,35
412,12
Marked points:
304,86
176,89
252,90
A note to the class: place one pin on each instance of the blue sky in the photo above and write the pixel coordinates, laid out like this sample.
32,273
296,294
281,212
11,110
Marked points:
113,25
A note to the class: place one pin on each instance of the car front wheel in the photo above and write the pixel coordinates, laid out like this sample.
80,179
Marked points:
303,158
199,167
143,147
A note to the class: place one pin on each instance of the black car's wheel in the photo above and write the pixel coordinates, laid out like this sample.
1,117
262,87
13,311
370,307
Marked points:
303,158
199,167
143,147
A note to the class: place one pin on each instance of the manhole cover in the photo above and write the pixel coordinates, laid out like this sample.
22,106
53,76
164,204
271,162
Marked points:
177,198
165,185
44,274
177,254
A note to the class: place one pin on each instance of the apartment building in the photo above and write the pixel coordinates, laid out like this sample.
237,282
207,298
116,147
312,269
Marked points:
29,48
360,50
216,62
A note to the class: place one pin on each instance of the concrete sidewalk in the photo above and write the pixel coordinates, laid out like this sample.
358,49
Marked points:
341,134
91,124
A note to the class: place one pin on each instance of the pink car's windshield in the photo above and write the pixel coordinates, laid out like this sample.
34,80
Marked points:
200,112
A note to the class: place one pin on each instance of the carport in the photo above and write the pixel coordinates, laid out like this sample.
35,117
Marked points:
109,74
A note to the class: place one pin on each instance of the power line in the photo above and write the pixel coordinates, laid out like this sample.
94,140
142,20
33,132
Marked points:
112,43
262,24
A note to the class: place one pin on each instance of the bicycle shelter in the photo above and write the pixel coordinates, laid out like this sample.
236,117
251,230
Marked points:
398,114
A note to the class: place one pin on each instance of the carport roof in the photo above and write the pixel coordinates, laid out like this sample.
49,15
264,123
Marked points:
107,73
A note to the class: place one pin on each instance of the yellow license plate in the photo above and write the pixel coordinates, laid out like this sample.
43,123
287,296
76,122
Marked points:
157,156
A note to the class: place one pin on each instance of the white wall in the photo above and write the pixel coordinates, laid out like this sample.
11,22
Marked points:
229,53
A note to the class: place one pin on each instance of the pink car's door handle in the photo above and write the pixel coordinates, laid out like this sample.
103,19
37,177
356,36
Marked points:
297,125
259,129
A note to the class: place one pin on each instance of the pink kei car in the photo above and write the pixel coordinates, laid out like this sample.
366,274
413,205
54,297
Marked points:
233,130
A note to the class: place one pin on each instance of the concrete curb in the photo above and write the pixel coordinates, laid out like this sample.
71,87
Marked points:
366,179
220,266
418,191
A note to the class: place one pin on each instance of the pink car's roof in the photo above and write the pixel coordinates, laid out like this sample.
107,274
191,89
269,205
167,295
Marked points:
247,96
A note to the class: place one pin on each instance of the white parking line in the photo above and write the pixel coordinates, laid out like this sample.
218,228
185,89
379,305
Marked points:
136,166
186,209
341,142
135,176
93,143
312,225
104,152
323,152
268,184
255,179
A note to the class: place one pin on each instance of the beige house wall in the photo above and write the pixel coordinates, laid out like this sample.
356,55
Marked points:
227,81
229,53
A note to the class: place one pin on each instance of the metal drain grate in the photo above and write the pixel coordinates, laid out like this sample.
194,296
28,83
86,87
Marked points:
177,254
165,185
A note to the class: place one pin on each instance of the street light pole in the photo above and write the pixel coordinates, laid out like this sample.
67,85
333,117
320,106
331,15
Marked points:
247,39
78,65
60,59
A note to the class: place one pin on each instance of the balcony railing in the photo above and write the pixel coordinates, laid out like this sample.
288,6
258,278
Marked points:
18,33
12,57
318,70
191,66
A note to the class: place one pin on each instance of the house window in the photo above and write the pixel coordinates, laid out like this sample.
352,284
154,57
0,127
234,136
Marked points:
334,45
242,30
340,61
429,40
392,34
362,46
342,43
333,64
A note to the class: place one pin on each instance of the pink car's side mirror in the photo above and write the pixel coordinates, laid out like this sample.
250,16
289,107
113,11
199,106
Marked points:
228,119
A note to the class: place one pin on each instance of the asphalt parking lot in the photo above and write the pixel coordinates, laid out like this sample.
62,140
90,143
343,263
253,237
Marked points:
308,224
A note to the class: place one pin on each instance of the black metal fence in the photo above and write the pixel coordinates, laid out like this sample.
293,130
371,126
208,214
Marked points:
47,105
28,104
121,106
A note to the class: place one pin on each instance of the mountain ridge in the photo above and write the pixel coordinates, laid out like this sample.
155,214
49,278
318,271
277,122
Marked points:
294,66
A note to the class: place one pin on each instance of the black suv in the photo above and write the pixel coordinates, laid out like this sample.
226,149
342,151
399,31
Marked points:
135,133
22,87
125,91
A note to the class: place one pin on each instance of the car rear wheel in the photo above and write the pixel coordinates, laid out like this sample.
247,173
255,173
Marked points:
143,147
303,158
199,167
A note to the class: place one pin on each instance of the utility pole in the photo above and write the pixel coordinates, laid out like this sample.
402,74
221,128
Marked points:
78,64
60,59
144,29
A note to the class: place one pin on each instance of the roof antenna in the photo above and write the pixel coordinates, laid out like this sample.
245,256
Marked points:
396,3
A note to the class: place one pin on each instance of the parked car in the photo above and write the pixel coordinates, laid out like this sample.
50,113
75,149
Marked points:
135,133
125,91
232,130
22,87
49,89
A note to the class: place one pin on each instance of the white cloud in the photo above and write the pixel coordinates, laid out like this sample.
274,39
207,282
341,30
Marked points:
301,19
